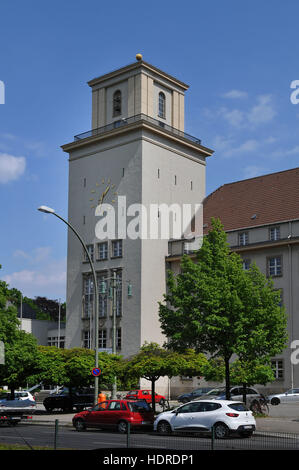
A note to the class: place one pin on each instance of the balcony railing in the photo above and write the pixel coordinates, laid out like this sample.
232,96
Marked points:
132,119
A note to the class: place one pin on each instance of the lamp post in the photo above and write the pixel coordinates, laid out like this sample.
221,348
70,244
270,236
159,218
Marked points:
49,210
103,290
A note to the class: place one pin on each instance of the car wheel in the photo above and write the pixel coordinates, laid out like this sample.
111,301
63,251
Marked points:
122,427
164,428
48,408
80,425
275,401
221,431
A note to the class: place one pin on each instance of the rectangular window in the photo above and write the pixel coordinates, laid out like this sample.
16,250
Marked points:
274,233
277,367
103,250
246,264
275,266
87,296
90,249
117,248
103,294
119,290
118,338
102,339
86,339
243,238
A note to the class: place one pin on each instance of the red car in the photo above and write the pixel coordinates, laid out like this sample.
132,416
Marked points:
115,414
146,395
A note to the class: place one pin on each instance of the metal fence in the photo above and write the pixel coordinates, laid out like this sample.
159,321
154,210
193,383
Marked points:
207,441
132,119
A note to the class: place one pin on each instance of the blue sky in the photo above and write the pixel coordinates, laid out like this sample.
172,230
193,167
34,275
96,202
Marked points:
238,57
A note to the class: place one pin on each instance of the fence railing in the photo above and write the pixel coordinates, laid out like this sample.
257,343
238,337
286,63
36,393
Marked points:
132,119
207,441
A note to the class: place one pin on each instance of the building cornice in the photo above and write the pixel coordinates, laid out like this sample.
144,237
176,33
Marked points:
137,125
137,66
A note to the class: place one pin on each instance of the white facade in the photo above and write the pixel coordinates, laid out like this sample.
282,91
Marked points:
141,159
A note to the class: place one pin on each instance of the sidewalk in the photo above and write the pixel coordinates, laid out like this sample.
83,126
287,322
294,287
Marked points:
283,425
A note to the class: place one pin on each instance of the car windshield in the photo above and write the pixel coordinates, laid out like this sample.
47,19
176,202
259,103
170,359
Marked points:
139,406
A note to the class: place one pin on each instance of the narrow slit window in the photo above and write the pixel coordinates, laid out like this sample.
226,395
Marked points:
117,103
162,103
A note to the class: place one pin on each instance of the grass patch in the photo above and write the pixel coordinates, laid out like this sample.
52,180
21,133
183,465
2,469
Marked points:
24,447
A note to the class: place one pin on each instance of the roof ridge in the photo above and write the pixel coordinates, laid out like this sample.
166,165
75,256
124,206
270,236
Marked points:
257,177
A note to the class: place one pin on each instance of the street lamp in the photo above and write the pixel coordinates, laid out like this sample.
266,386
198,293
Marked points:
49,210
113,288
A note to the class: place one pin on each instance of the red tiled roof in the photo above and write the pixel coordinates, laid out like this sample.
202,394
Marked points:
256,201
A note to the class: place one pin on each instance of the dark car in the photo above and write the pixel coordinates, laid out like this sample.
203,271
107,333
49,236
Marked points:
116,414
68,400
185,397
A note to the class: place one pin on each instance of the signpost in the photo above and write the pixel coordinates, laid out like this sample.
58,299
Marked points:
2,353
96,372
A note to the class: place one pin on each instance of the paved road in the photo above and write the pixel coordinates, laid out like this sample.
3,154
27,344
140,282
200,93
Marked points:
69,438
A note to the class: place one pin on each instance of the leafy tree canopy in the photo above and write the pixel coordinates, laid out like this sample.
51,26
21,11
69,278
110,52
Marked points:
215,307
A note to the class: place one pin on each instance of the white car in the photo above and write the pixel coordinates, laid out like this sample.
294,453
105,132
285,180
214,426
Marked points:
22,399
291,396
236,394
21,395
224,416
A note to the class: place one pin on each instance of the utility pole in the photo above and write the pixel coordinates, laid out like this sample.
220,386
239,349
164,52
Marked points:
114,287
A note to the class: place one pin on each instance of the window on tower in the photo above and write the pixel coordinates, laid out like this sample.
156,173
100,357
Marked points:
162,102
117,103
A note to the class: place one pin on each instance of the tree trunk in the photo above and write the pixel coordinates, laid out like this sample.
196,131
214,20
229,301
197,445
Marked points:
153,396
227,378
244,392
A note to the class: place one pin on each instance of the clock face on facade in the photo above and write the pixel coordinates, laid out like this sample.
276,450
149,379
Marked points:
102,188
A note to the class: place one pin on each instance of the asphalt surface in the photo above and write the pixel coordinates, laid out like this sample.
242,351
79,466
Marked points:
68,438
278,431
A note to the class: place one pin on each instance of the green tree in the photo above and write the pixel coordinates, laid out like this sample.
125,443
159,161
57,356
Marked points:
153,362
217,308
20,347
245,373
51,364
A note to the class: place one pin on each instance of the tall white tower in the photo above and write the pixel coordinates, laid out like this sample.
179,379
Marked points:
138,149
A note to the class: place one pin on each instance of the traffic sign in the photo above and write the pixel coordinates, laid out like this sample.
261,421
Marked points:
96,372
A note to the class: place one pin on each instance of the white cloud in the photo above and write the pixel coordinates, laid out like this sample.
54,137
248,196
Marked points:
38,254
234,117
46,280
235,94
251,171
11,167
228,147
285,152
263,111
